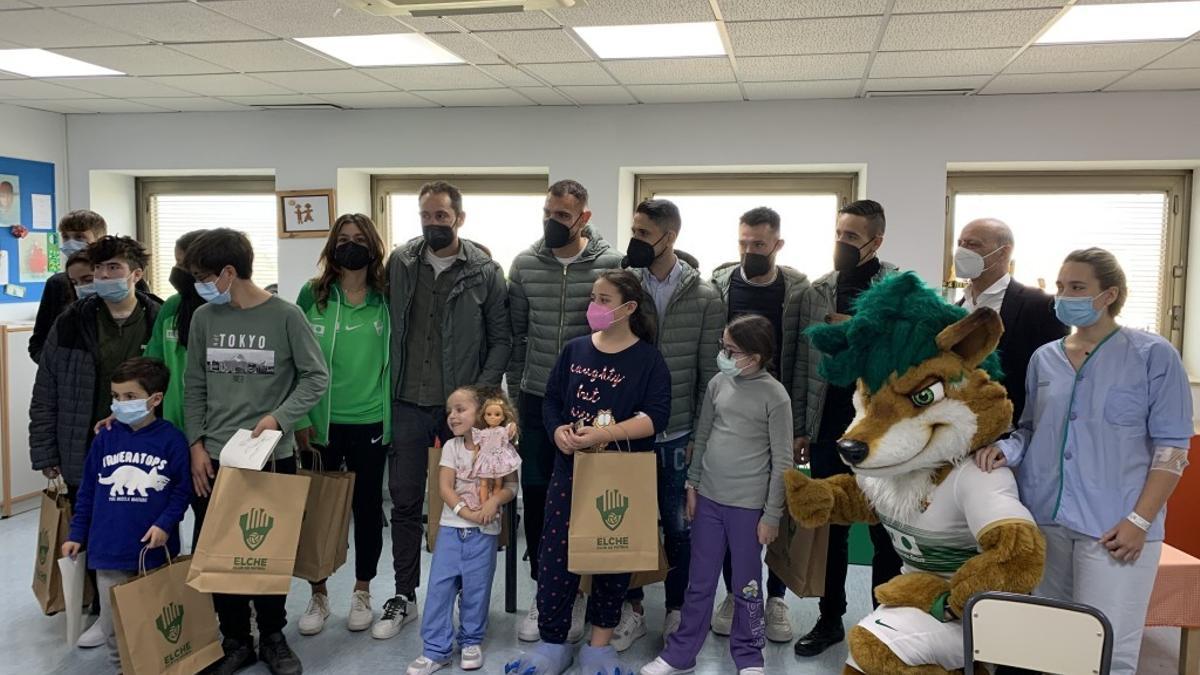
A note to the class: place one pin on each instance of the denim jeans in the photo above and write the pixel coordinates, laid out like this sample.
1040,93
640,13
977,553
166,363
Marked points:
463,559
672,506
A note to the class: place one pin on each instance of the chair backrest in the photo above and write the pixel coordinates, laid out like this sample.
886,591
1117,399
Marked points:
1049,636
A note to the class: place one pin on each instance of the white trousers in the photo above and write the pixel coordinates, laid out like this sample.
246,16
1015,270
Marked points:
1079,569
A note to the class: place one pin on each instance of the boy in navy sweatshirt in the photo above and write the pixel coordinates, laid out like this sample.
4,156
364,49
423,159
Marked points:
136,486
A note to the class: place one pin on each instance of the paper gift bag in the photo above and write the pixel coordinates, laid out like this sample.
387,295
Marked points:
325,531
251,531
637,579
797,556
433,502
614,513
162,624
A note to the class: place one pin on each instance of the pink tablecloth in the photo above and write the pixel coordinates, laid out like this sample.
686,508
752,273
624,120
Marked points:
1176,597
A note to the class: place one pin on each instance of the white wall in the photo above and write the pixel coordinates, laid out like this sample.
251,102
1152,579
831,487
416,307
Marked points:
42,137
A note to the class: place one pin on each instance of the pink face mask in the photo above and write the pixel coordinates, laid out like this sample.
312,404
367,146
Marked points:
600,317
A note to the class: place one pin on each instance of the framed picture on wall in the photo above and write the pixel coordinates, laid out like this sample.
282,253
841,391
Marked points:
305,213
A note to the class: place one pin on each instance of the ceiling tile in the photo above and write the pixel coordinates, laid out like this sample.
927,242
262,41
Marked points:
686,93
504,21
174,22
388,99
764,10
1073,58
792,68
807,36
510,76
222,85
288,99
625,12
467,48
1180,78
476,97
434,77
117,87
191,104
941,63
112,105
589,73
82,3
259,56
1187,56
428,24
671,71
764,91
607,95
925,83
543,95
14,4
47,29
1049,83
535,46
49,105
967,30
325,81
142,60
915,6
35,89
306,18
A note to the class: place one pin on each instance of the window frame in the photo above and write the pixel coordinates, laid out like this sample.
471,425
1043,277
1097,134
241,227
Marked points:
147,187
1177,186
844,185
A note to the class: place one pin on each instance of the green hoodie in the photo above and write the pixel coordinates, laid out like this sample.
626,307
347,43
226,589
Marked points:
164,346
363,361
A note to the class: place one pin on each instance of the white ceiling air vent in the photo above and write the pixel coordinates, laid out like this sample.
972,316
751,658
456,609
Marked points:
892,93
453,7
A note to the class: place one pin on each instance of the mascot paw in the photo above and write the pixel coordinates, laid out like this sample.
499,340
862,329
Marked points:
544,659
601,661
917,590
809,501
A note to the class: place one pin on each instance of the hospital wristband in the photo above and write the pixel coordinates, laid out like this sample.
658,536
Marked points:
459,507
1141,523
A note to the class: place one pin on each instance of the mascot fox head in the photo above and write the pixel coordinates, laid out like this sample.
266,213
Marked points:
923,369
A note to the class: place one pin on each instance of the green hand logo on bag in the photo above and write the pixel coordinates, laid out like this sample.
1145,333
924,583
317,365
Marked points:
170,622
612,507
256,524
43,546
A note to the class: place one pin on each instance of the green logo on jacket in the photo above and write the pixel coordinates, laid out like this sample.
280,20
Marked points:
256,524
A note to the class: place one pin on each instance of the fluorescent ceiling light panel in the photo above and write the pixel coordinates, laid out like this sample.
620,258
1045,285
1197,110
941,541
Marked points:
654,41
401,49
1119,23
41,63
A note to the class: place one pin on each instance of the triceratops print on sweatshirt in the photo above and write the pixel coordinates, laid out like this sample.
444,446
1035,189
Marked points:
132,475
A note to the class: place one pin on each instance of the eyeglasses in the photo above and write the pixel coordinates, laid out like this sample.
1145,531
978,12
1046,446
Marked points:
729,353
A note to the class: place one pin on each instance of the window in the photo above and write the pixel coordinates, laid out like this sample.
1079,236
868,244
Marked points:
711,206
504,213
1138,216
168,208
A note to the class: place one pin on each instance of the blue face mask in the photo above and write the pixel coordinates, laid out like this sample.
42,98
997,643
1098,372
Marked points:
85,290
213,295
726,364
71,247
112,290
130,412
1077,312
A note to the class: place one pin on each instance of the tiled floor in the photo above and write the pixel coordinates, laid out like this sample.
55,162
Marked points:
33,644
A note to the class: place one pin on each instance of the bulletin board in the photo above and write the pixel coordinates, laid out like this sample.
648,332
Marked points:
28,199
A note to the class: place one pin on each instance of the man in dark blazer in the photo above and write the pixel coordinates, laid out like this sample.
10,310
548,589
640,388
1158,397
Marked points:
983,256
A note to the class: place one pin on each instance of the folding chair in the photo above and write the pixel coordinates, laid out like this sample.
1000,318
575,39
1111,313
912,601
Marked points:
1040,634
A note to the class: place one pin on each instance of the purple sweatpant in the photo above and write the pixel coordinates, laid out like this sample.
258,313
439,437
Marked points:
715,529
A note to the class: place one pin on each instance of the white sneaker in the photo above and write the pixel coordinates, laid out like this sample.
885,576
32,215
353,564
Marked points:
671,623
472,657
397,613
751,671
722,621
423,666
527,629
631,627
361,615
313,620
779,627
92,637
660,667
578,619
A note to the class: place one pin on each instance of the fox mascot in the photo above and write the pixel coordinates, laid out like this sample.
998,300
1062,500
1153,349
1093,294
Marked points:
925,401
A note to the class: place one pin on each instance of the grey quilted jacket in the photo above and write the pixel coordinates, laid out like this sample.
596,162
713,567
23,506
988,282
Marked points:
548,305
808,392
795,286
60,411
688,338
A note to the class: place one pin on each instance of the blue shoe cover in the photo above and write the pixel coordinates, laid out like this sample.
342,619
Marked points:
601,661
544,659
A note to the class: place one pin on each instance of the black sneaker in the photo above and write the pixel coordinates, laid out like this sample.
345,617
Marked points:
238,655
279,657
827,633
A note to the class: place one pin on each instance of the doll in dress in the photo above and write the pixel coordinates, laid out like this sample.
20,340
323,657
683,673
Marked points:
496,457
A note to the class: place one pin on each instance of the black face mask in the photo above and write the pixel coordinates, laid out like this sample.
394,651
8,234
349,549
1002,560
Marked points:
183,281
641,253
351,256
755,265
438,237
847,256
556,234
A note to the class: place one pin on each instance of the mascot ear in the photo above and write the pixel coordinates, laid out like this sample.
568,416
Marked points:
973,337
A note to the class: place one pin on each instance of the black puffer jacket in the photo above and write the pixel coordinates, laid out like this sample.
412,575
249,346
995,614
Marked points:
60,412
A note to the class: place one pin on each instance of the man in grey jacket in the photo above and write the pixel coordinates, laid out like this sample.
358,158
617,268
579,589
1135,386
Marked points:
548,288
450,328
828,410
690,318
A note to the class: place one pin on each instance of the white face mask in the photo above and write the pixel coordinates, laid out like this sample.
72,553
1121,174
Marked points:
970,265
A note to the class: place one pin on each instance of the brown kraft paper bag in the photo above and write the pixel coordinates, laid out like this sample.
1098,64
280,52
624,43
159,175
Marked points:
797,557
54,526
614,513
325,532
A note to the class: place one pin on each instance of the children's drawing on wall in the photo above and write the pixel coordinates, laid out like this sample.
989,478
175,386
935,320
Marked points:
10,199
37,262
